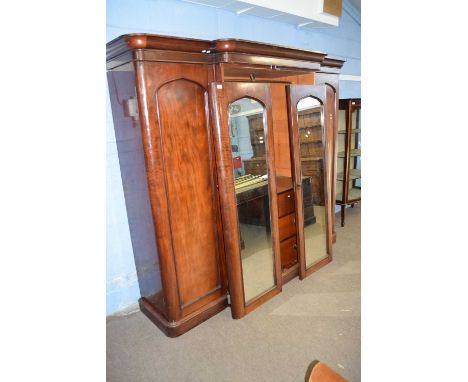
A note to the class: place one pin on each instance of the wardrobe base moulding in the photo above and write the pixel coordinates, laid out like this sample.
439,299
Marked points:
176,328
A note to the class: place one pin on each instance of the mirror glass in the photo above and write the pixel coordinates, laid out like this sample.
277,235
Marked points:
313,179
249,158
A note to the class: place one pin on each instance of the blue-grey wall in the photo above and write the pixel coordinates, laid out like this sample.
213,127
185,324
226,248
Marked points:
177,18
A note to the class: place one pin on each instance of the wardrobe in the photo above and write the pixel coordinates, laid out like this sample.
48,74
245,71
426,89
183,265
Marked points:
228,163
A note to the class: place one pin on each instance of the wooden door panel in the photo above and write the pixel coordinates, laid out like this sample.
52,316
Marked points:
190,190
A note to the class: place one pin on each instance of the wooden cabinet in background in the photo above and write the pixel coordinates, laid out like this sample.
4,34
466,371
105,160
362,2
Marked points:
215,210
349,155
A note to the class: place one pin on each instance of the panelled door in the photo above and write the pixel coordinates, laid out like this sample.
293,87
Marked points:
311,135
247,189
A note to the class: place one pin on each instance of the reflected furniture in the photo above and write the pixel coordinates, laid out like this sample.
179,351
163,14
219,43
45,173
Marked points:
349,155
310,131
257,164
228,163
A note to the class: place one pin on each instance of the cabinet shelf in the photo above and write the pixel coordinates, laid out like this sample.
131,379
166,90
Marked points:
354,194
354,131
311,158
311,141
353,153
316,126
354,173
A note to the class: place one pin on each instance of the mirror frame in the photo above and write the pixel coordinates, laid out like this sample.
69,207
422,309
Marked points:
267,155
221,96
295,93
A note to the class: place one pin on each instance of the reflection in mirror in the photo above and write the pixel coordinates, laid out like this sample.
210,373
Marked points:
313,179
249,158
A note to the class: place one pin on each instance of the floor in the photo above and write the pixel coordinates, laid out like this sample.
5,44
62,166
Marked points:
317,318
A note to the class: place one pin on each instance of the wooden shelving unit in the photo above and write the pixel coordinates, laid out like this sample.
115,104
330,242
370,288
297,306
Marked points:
349,155
352,153
353,131
311,146
354,173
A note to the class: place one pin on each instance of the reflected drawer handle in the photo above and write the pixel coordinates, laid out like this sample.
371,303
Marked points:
295,247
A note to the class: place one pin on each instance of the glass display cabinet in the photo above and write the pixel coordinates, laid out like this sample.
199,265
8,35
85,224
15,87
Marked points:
349,155
227,155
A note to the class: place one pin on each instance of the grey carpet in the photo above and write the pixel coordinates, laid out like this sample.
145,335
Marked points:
317,318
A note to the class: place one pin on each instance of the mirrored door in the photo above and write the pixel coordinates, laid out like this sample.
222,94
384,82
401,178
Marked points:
248,134
311,127
245,158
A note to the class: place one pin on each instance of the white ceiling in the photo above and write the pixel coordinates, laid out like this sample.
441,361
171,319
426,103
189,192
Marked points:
302,13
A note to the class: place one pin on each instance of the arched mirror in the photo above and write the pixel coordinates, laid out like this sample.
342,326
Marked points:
313,180
247,130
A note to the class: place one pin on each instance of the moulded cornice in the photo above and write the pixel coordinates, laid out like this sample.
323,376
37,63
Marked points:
134,42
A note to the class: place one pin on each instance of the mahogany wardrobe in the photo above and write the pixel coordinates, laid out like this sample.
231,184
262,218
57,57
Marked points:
228,162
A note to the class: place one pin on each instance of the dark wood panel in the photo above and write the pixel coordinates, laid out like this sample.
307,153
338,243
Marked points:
185,142
152,41
287,226
252,47
148,41
281,130
243,72
332,62
225,50
176,328
168,56
332,82
150,77
277,63
331,66
180,317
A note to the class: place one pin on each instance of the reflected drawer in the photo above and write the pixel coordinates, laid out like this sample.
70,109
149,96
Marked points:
285,203
287,226
288,252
